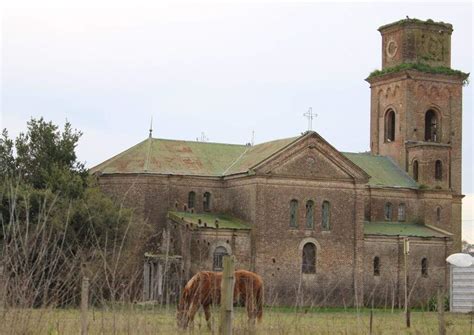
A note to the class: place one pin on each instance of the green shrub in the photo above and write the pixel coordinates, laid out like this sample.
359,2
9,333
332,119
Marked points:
433,304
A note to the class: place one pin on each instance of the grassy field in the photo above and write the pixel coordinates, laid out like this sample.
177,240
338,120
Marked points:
155,320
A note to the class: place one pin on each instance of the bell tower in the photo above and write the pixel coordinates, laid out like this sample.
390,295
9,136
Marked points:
416,103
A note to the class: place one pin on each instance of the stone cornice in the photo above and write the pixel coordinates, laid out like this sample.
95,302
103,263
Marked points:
414,144
414,75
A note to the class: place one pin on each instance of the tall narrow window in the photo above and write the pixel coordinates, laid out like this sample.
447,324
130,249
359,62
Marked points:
219,254
191,199
424,267
376,266
309,258
388,211
438,170
206,202
390,126
401,212
293,213
438,214
326,216
310,214
431,126
415,170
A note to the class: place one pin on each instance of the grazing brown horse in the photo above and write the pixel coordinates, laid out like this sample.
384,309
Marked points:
204,289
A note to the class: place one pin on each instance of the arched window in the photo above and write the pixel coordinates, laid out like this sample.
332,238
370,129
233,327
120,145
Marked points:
431,126
191,199
309,258
326,216
388,211
415,170
206,202
438,170
293,213
402,212
438,214
309,214
424,267
390,126
376,266
219,254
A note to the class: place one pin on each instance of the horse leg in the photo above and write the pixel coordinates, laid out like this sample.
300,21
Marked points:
207,313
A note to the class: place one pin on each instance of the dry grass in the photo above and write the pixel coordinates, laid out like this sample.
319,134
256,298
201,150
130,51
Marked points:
156,320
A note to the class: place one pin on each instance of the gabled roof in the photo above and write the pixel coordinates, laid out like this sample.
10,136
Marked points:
400,229
162,156
192,158
384,172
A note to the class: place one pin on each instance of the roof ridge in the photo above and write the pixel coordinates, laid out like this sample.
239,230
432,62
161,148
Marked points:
236,160
199,142
148,154
360,153
400,169
439,230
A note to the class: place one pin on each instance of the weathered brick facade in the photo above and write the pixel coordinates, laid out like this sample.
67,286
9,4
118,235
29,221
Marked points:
309,170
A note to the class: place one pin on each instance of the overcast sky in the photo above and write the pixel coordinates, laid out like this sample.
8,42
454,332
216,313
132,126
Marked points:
222,69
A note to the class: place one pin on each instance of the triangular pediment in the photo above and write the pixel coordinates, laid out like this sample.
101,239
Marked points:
311,157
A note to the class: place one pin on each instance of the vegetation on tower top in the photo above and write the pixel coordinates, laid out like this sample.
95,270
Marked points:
414,20
422,68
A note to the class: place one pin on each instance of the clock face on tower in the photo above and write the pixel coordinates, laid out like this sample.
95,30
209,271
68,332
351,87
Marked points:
391,49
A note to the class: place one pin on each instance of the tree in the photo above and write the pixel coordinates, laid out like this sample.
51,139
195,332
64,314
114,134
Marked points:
56,224
7,161
45,158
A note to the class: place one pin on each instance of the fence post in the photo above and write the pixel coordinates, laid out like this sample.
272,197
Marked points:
227,296
371,320
406,252
441,322
3,289
84,304
407,303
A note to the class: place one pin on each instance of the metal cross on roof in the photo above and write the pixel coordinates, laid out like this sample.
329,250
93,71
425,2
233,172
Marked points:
310,116
151,128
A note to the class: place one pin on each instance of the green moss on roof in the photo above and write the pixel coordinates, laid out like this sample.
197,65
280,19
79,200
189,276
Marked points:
172,157
399,229
208,220
422,68
382,170
163,156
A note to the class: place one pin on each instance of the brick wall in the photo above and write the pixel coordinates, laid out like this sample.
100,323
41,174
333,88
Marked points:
387,289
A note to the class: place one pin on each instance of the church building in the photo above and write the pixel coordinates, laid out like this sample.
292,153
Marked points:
322,227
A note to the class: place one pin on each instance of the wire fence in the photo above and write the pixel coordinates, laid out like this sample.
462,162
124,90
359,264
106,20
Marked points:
51,286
